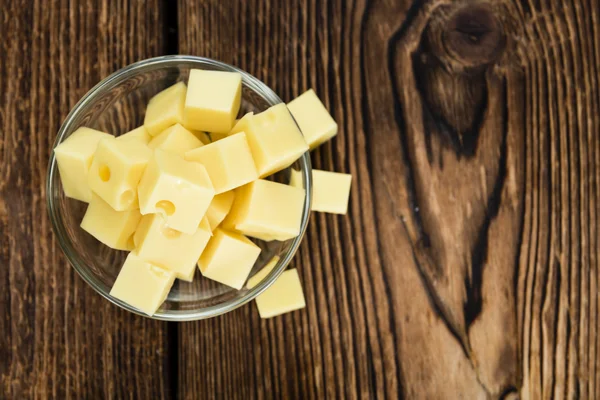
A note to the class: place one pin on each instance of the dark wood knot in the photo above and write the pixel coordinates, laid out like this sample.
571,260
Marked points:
467,37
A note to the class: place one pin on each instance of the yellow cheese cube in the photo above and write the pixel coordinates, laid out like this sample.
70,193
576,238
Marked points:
283,296
228,162
228,258
160,245
218,209
213,100
267,210
312,117
176,140
116,170
179,189
262,274
113,228
142,285
139,133
330,190
74,157
165,109
274,138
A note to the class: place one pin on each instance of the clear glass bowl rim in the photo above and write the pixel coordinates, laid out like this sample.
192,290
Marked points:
59,230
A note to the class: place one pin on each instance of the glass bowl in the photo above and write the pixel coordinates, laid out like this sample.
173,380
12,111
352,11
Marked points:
116,105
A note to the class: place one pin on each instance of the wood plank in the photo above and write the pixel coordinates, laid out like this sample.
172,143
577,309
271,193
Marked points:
60,339
467,266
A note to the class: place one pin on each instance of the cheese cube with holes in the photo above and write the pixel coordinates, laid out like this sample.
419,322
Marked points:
262,274
213,100
283,296
267,210
161,245
312,117
142,285
274,138
74,158
116,171
176,140
180,190
113,228
165,109
228,162
219,207
139,133
228,258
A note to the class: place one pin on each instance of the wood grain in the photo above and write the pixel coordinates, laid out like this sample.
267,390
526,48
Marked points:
58,338
467,266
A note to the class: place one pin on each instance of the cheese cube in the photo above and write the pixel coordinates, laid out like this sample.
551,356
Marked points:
218,209
228,258
176,140
165,109
179,189
228,162
262,274
74,157
283,296
312,117
113,228
267,210
142,285
274,138
161,245
213,100
331,191
116,171
139,133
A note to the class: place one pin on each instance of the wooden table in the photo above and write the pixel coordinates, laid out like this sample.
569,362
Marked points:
467,266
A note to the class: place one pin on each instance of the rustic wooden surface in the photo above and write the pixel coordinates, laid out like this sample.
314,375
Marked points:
467,266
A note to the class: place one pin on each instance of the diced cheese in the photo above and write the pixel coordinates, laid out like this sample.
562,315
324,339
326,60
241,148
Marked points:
219,207
160,245
283,296
116,170
74,157
142,285
179,189
139,133
113,228
228,258
262,274
165,109
330,190
175,139
267,210
213,100
312,117
274,138
228,162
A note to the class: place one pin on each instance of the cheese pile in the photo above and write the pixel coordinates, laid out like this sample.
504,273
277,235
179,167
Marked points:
188,189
